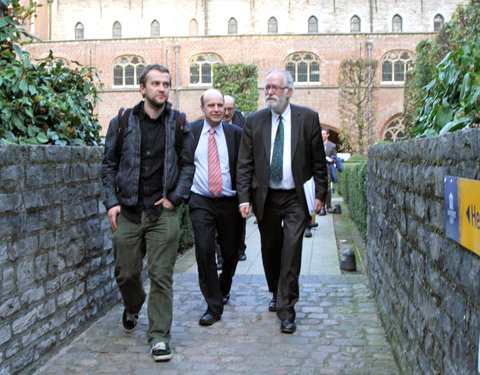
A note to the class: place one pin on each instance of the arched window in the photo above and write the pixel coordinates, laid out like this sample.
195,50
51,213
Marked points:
201,68
303,66
397,24
355,25
232,26
272,25
193,27
312,25
394,130
117,30
395,65
155,28
438,22
79,31
127,70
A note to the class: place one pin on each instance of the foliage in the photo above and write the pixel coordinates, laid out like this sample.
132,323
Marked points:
239,81
453,97
186,232
357,81
464,28
45,102
353,183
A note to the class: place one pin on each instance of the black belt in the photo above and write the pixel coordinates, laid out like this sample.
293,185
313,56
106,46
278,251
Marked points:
221,198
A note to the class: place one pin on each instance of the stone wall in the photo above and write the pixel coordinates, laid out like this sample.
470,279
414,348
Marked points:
56,262
426,285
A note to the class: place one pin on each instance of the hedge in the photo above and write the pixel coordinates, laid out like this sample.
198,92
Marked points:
353,187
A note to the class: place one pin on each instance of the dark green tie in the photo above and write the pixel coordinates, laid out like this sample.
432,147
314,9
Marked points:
276,166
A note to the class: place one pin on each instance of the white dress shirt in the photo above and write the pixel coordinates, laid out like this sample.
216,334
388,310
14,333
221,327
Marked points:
200,179
287,182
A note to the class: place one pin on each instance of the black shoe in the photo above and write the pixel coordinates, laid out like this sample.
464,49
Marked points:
225,298
288,326
308,232
242,257
322,212
272,306
312,225
208,319
129,321
161,352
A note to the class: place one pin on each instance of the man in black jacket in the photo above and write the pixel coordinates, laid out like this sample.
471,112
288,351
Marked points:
143,186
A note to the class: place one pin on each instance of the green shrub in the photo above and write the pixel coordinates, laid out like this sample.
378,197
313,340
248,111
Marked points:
46,101
239,81
440,93
353,187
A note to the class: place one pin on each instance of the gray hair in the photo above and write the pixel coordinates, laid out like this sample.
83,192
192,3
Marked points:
289,82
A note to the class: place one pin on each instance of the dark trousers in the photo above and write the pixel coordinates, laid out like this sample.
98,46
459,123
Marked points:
281,231
210,216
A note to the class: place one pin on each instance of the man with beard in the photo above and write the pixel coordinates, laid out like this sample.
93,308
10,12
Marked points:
281,149
147,172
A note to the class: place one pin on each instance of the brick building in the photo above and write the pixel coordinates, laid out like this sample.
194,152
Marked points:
308,37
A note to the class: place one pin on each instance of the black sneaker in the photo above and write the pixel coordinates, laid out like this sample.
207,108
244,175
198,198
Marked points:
129,321
161,352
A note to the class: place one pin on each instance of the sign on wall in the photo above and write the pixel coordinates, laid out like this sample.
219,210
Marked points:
462,211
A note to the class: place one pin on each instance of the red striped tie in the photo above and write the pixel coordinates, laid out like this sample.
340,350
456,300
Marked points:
214,171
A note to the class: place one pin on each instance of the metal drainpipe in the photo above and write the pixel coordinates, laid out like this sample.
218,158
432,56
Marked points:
369,56
371,16
50,19
206,16
177,99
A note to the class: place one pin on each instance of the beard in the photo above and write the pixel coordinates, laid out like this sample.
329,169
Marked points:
278,105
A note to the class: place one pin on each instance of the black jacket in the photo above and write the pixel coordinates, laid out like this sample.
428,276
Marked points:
120,176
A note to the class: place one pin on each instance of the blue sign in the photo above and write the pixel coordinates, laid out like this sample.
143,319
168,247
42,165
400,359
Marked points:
451,208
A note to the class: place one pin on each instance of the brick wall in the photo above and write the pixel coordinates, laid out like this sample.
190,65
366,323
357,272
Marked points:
56,263
426,285
265,51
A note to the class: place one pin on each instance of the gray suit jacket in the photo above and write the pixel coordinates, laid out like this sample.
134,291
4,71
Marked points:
308,157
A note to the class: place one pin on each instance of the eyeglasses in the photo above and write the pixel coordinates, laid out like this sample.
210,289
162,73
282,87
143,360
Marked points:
274,88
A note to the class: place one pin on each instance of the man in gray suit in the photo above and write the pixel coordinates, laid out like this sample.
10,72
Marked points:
281,149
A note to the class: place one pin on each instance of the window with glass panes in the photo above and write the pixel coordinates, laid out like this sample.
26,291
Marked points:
155,28
201,68
127,71
117,30
304,67
395,65
79,31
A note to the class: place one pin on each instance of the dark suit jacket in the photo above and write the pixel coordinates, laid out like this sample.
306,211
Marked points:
238,119
308,157
233,135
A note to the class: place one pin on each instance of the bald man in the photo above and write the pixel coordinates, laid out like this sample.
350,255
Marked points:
231,115
213,203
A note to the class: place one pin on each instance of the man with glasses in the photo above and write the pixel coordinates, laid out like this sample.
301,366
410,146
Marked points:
281,149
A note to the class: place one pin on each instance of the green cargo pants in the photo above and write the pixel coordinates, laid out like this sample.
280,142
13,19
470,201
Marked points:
159,241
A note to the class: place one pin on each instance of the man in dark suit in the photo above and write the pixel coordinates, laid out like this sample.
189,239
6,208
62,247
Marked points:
213,203
281,149
330,150
233,116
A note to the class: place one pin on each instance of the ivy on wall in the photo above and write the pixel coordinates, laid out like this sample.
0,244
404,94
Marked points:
239,81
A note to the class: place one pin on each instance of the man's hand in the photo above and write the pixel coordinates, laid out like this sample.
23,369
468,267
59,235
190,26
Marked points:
244,210
318,205
112,216
166,204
